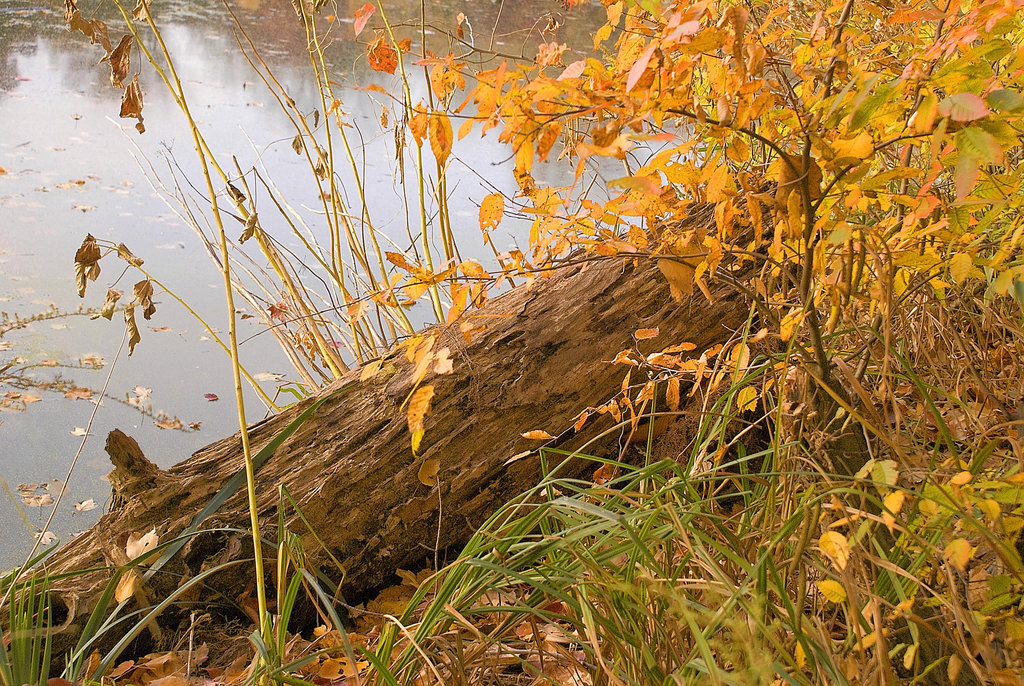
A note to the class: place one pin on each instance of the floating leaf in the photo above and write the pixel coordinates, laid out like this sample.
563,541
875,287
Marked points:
86,505
77,431
212,397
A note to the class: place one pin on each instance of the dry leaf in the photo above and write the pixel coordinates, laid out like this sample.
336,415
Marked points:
537,435
139,543
428,470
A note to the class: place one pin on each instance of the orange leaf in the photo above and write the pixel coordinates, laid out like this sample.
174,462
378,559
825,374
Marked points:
538,435
440,137
491,210
642,334
382,56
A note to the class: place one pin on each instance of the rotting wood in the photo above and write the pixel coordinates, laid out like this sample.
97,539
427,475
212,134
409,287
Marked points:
542,355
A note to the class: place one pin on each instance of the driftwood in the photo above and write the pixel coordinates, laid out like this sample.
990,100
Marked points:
542,356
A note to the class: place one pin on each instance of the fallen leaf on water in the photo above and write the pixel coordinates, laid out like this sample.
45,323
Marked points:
46,537
77,431
159,329
169,423
83,208
268,376
212,397
86,505
142,392
49,363
78,393
37,500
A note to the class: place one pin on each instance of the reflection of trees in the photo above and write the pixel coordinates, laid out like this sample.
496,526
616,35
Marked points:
18,28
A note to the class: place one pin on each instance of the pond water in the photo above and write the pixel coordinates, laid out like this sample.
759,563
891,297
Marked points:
69,166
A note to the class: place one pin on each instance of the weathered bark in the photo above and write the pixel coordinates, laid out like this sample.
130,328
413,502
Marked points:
542,356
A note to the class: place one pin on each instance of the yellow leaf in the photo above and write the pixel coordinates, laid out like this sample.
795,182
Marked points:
849,150
370,370
991,508
961,479
960,266
419,405
832,590
836,547
892,504
679,276
428,472
126,586
908,657
491,209
790,323
465,128
800,656
868,641
642,334
958,553
537,435
746,399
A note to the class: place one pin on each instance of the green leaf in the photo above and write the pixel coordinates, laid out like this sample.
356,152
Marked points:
1005,100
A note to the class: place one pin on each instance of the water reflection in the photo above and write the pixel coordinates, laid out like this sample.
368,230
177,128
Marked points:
73,168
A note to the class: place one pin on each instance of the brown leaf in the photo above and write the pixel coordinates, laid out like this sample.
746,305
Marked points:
133,329
120,65
126,586
428,470
144,297
131,103
125,254
109,304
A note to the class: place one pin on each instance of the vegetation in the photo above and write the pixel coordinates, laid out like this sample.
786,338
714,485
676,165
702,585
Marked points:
843,502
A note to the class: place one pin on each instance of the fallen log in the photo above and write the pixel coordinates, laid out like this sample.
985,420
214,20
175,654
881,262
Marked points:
541,356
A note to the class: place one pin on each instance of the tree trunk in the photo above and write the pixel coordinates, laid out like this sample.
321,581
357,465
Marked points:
542,355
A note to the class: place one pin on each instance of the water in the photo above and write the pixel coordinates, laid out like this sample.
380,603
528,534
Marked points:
71,167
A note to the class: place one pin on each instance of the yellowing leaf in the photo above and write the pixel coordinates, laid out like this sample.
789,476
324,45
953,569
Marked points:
836,547
832,590
537,435
958,553
800,656
428,470
908,657
746,399
963,107
960,266
370,370
419,405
